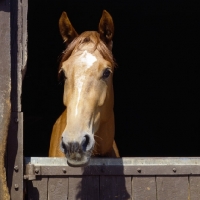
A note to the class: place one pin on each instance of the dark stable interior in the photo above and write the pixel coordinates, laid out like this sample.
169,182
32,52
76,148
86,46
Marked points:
156,82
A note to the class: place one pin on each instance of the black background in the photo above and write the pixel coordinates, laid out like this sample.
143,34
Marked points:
156,83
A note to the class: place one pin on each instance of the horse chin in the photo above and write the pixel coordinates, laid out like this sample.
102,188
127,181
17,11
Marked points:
78,160
78,163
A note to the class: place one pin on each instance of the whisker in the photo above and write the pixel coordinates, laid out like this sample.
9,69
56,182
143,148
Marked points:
94,152
97,144
98,137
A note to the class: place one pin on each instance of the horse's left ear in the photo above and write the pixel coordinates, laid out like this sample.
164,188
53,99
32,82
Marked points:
67,31
106,28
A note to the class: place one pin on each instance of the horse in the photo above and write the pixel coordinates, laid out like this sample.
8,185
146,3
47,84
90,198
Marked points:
86,127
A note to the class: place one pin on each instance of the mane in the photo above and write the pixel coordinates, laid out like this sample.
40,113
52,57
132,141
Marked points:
83,41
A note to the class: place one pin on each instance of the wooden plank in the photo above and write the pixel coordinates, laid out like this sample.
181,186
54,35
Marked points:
15,157
5,87
85,187
15,136
176,187
115,187
120,166
144,188
24,38
194,187
58,188
37,189
18,10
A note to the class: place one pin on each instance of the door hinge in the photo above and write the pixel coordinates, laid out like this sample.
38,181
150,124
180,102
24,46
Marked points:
31,172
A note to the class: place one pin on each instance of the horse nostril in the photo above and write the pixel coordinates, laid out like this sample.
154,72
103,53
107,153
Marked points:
85,142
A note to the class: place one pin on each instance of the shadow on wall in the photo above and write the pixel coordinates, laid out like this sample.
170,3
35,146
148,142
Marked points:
101,187
101,179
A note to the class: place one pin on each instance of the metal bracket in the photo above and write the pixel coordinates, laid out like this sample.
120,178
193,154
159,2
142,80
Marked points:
31,172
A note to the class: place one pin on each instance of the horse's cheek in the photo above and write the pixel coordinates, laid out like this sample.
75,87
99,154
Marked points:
65,98
102,97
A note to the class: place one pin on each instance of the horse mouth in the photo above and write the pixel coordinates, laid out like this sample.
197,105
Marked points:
78,159
77,155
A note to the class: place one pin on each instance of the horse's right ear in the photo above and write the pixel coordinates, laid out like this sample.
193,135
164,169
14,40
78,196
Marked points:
106,29
67,31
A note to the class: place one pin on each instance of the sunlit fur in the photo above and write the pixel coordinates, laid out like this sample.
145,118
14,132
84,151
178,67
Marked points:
86,127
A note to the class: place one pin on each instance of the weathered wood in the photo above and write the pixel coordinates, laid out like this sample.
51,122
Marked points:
86,184
37,189
24,37
15,157
144,188
85,187
58,188
194,187
5,86
114,166
18,49
15,136
175,187
115,187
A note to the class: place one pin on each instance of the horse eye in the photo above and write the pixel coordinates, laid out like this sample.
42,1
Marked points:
106,73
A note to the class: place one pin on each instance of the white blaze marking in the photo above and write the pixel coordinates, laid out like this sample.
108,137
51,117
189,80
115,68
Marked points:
79,86
87,59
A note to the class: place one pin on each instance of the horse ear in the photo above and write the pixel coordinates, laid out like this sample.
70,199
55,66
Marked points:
67,31
106,28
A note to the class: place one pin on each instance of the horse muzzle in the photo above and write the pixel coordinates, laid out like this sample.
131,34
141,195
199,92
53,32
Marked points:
78,153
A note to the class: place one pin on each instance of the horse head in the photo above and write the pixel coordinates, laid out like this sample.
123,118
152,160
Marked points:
87,66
